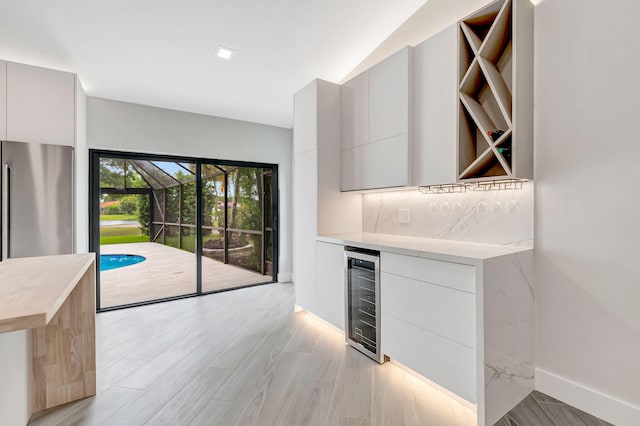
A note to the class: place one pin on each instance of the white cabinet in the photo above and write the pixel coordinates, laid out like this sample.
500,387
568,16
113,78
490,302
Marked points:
318,205
354,96
330,290
40,105
467,327
434,109
375,165
3,100
441,360
447,274
389,93
375,125
304,234
435,308
429,319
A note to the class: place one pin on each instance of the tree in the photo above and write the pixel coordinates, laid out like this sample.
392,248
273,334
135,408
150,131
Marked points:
143,213
129,204
114,209
134,180
111,173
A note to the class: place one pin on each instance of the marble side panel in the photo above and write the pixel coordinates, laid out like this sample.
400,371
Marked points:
507,318
494,217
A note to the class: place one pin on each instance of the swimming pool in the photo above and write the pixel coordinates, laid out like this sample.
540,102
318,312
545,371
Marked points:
114,261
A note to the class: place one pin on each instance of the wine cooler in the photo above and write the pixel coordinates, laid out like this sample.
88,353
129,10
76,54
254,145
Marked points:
362,282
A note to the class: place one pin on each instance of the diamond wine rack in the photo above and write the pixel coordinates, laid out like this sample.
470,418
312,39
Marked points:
495,119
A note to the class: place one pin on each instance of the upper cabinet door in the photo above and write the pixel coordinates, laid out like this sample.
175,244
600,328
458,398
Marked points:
389,86
435,93
3,100
376,123
40,105
355,111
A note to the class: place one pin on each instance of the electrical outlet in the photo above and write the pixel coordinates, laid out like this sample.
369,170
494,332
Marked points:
404,216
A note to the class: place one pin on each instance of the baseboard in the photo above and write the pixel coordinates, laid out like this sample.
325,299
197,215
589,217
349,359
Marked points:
589,400
285,277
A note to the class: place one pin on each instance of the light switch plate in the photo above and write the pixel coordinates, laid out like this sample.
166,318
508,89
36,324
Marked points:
404,216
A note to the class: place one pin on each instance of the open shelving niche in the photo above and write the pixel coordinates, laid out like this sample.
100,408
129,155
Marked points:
485,94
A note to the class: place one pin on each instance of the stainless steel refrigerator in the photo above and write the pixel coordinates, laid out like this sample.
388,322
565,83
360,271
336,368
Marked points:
36,206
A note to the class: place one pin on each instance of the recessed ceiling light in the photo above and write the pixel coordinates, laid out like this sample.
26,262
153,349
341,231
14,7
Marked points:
224,53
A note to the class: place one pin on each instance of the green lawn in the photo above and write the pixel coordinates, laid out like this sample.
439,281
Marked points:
119,217
121,235
132,234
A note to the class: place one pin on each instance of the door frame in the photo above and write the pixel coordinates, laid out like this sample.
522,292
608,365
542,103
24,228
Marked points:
94,215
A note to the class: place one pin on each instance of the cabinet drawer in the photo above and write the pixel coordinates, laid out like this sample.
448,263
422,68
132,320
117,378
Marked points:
453,275
444,311
447,363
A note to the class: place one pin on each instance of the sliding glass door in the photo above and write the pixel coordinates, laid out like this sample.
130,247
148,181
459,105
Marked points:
169,227
233,227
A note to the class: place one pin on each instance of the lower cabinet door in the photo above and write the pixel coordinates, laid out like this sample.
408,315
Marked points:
444,311
443,361
330,283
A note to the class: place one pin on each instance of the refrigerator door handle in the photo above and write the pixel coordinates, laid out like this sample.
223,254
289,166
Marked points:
4,215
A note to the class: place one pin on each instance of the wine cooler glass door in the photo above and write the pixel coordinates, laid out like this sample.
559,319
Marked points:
363,328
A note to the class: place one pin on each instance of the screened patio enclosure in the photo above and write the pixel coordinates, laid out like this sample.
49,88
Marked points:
155,201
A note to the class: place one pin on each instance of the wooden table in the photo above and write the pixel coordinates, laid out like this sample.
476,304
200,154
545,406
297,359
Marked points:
52,299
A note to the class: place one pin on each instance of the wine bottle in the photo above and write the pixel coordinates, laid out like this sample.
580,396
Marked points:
505,152
495,134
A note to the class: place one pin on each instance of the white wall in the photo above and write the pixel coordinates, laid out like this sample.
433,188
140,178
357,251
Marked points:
129,127
587,201
433,17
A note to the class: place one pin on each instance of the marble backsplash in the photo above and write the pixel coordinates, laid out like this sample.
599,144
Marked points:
495,217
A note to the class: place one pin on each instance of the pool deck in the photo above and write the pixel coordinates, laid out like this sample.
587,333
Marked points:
167,272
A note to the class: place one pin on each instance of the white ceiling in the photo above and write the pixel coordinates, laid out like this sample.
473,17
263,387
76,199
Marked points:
162,53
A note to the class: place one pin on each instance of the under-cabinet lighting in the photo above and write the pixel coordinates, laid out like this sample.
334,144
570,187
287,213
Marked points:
494,185
224,53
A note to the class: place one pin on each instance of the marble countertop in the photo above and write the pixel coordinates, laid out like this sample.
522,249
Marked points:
32,289
446,250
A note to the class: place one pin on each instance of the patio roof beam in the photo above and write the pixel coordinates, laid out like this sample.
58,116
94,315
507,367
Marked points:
157,234
212,176
189,171
155,200
168,174
142,172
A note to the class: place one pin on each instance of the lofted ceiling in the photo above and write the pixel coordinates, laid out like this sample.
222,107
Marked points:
162,53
